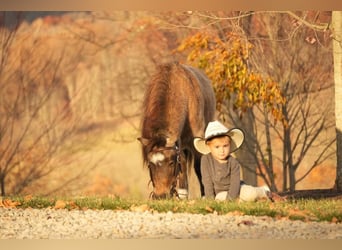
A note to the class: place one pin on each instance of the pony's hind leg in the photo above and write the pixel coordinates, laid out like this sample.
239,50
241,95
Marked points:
197,168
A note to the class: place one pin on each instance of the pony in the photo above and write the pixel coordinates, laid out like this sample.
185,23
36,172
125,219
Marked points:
178,104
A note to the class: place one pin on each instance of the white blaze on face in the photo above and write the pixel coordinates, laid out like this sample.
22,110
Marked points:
157,157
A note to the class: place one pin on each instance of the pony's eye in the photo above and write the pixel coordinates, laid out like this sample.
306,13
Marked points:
171,163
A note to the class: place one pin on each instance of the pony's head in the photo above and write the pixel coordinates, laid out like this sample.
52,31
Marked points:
163,162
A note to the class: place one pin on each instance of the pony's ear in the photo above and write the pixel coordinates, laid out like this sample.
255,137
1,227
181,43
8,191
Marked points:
143,141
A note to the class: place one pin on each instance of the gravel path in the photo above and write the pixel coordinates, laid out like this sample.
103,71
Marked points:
108,224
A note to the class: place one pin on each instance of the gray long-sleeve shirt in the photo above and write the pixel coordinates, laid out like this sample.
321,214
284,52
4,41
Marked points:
218,177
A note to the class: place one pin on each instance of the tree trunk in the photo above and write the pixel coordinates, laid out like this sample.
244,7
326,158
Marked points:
337,53
269,154
246,154
2,185
292,178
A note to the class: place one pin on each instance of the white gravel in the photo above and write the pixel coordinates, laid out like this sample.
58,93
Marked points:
108,224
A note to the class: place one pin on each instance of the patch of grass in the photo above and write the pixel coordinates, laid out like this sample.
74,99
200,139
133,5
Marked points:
323,210
102,203
167,205
303,209
34,202
297,217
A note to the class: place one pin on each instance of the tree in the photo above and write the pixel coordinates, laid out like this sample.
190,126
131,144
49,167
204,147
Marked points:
299,58
36,117
337,52
225,61
313,23
122,50
281,56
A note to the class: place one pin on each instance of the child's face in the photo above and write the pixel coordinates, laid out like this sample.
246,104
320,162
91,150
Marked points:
220,148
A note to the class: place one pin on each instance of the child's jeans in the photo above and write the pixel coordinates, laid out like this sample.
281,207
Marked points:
247,193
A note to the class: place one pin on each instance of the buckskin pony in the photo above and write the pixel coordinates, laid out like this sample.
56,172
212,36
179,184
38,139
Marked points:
178,104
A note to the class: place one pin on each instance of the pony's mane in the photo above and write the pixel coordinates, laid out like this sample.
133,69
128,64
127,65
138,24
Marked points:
154,106
155,103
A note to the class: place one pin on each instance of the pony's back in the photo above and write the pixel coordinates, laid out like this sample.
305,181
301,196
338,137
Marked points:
179,102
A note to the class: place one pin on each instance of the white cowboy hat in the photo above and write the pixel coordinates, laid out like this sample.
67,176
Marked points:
215,129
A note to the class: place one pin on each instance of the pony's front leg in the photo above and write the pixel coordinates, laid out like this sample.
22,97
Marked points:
194,182
182,189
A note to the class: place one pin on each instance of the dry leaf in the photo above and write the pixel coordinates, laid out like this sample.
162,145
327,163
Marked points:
334,220
73,205
246,222
235,213
305,214
60,204
9,203
191,202
28,198
141,208
209,209
175,209
277,198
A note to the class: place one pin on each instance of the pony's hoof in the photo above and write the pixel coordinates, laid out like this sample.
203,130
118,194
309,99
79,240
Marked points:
182,193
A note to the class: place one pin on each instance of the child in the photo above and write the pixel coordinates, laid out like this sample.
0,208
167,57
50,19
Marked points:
220,170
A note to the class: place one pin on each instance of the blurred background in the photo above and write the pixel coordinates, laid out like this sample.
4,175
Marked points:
72,83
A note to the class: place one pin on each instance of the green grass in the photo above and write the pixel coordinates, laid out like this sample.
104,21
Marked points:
303,209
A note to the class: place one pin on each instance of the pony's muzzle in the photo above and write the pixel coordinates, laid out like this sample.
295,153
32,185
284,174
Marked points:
164,195
154,196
